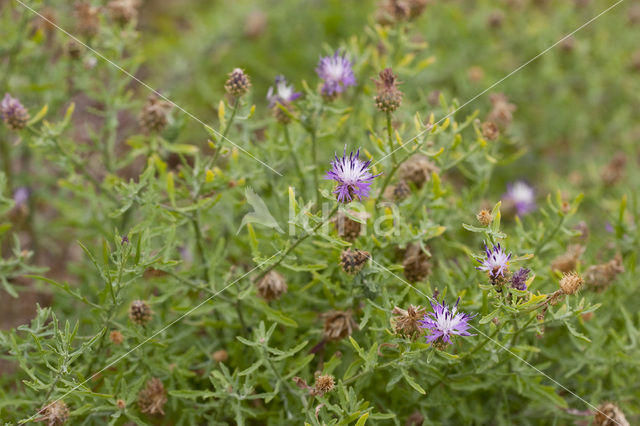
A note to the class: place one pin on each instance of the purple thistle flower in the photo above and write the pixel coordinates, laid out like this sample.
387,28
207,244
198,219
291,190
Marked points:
283,93
21,196
352,175
522,196
519,279
444,322
337,73
14,114
496,263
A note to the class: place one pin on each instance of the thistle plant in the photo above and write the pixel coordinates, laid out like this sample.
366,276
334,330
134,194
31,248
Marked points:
365,241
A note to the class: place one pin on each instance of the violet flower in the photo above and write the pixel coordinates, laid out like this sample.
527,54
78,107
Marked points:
337,73
14,114
352,176
522,196
445,322
283,93
519,279
496,263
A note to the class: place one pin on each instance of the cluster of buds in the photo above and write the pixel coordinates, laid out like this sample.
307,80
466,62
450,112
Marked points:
501,110
88,19
600,277
139,312
348,228
324,384
55,413
568,261
123,11
407,322
389,97
613,172
416,263
238,83
394,11
152,398
271,286
352,261
338,325
154,116
14,114
417,170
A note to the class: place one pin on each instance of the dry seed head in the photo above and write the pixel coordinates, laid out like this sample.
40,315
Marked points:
121,404
389,97
417,170
271,286
139,312
348,228
406,322
352,261
220,356
88,19
154,116
55,413
571,282
123,11
484,217
152,398
600,277
338,325
323,385
416,263
568,261
116,337
501,111
238,83
490,130
609,414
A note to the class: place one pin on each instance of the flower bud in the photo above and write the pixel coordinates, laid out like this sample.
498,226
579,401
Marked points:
116,337
484,217
570,283
238,83
352,261
121,404
271,286
139,312
220,356
14,114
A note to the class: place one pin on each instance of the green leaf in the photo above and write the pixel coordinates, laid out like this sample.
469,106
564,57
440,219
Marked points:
363,419
412,382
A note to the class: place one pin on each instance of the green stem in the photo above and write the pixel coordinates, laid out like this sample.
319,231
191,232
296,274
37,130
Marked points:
195,220
547,238
390,138
225,131
5,152
314,159
287,139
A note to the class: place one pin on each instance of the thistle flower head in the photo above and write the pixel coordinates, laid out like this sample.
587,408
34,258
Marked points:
444,322
152,398
282,92
123,11
522,196
407,322
352,176
496,262
238,83
337,73
324,384
352,261
139,312
271,286
338,325
389,96
154,116
55,413
14,114
571,283
519,279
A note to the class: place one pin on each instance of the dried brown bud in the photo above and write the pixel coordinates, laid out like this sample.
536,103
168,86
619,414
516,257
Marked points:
613,172
352,261
348,228
406,322
323,385
116,337
490,130
55,413
123,11
484,217
152,398
600,277
389,97
338,325
396,192
255,24
87,19
416,263
271,286
571,283
220,356
568,261
139,312
609,414
502,110
417,170
121,404
154,114
238,83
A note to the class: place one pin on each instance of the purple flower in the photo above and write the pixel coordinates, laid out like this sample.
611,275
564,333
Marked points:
443,322
21,196
608,227
283,92
13,112
522,196
496,263
352,175
519,279
336,72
